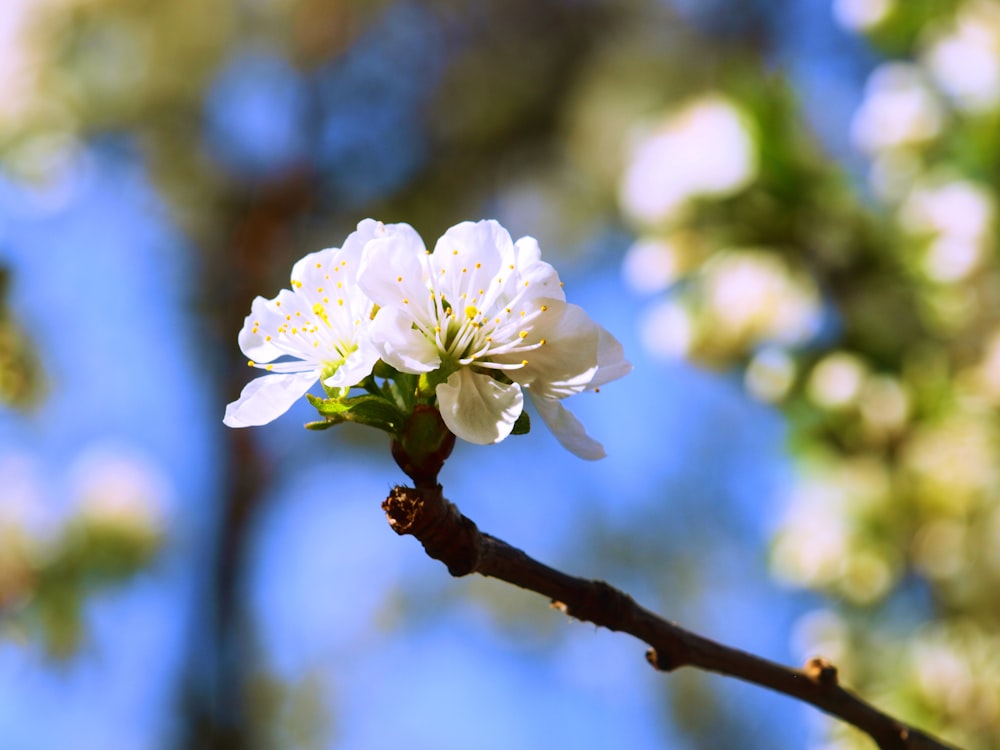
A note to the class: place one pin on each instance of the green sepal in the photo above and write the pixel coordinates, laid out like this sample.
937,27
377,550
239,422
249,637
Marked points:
323,424
373,411
523,424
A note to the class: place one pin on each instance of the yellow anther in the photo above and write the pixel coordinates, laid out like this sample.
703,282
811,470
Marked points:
251,363
318,309
524,362
542,342
523,334
319,265
544,308
479,265
269,368
340,301
454,252
471,311
267,338
406,301
319,290
399,279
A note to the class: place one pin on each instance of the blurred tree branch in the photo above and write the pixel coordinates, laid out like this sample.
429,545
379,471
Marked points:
452,538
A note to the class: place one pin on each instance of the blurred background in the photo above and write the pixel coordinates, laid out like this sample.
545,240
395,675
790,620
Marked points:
787,212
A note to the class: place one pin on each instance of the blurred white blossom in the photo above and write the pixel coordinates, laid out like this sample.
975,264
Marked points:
861,15
836,381
899,109
667,329
754,296
705,149
770,374
958,216
652,264
115,485
965,61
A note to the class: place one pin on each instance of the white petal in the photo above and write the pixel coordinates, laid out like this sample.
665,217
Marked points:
477,408
611,362
542,278
400,344
310,270
263,321
356,367
468,257
368,229
567,429
567,362
268,397
393,269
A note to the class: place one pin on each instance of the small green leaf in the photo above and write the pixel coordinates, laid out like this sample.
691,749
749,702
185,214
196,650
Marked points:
374,411
323,424
328,407
523,424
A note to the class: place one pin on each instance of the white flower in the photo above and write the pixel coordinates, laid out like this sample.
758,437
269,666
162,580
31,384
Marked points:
488,318
704,150
321,323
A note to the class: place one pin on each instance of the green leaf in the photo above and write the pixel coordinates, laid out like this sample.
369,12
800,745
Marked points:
323,424
523,424
376,411
371,410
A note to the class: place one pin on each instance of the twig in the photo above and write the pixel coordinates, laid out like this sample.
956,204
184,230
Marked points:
450,537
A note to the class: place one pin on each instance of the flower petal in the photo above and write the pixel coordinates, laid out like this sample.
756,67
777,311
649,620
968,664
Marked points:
478,408
468,258
393,270
534,275
268,397
568,360
567,428
400,344
356,367
309,271
254,337
611,362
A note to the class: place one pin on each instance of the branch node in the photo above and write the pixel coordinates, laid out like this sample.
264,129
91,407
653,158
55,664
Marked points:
660,662
822,672
445,533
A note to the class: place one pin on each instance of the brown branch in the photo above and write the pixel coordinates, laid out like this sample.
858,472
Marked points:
450,537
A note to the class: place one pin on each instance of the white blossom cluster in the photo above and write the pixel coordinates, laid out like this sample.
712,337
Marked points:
481,316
